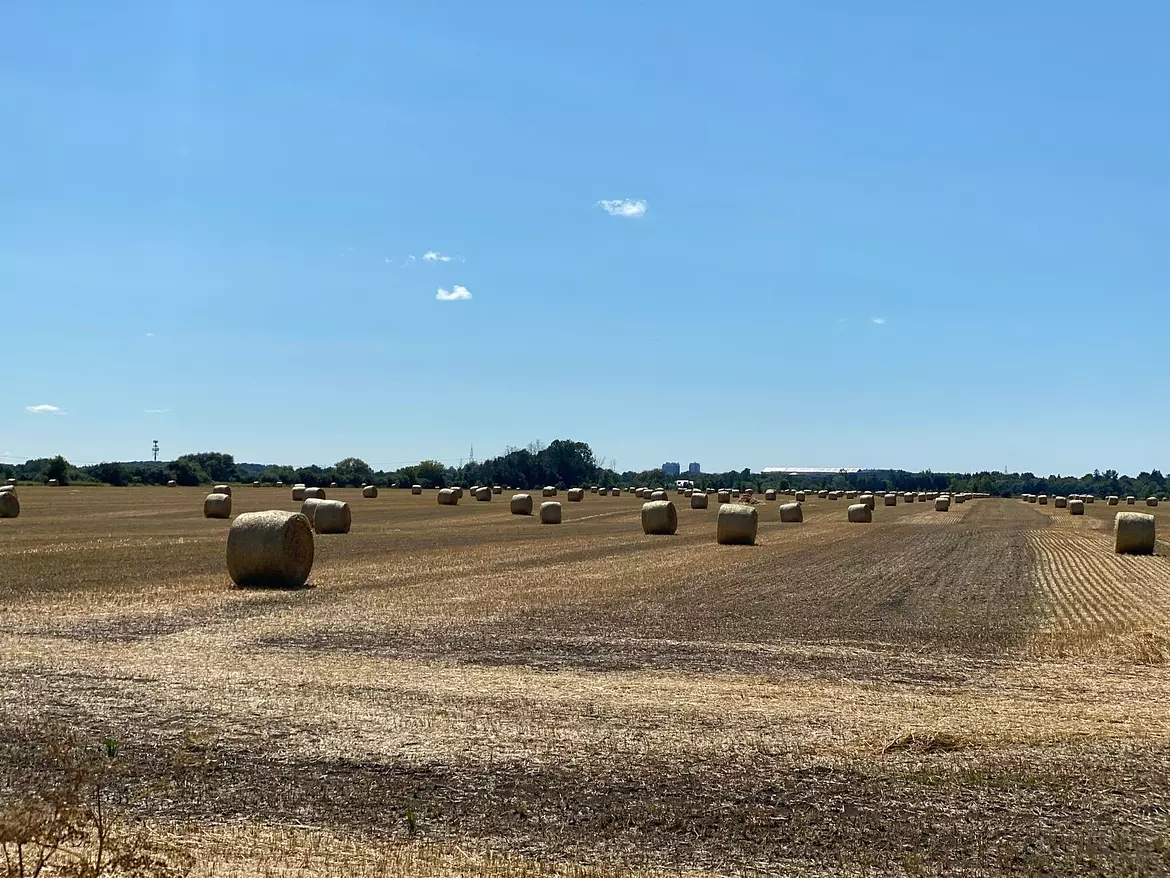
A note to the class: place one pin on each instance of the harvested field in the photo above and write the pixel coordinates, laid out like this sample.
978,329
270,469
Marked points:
464,692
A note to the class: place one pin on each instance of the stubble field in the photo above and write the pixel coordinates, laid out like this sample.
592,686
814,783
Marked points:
467,692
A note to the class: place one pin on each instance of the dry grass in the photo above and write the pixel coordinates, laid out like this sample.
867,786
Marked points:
958,693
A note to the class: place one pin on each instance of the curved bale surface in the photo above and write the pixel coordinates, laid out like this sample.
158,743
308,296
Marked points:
890,500
458,492
801,496
315,493
7,489
1134,533
271,549
448,497
869,500
942,504
222,489
12,482
859,513
723,497
1112,500
770,494
9,505
550,512
603,492
217,505
309,509
298,492
370,492
497,489
737,524
332,517
483,494
1151,501
658,495
699,500
791,513
521,504
416,489
1060,502
548,491
659,517
1076,507
576,495
1042,500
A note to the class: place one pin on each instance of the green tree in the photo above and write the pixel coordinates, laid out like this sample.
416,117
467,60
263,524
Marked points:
186,472
110,473
430,473
58,468
352,471
217,465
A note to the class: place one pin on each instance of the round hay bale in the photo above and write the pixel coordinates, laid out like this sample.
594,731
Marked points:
1130,500
851,495
890,500
942,503
1112,500
1042,499
255,484
270,549
698,500
869,500
549,491
416,489
483,494
222,489
1089,498
638,492
550,512
1076,507
576,495
370,492
1133,533
688,492
497,489
658,495
1151,501
521,504
448,497
315,493
834,495
723,497
280,484
770,494
791,513
737,524
603,492
801,496
171,483
859,513
458,491
12,482
735,494
53,483
332,517
217,505
9,505
823,495
659,517
7,489
593,489
309,509
909,497
1060,502
298,492
332,485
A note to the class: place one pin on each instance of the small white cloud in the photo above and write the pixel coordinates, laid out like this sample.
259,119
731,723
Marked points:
150,335
880,321
627,207
456,294
43,409
156,411
432,256
409,259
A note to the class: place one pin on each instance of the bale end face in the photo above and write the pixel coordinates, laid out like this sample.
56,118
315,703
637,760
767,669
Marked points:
550,512
659,517
737,524
791,513
1134,533
521,504
271,549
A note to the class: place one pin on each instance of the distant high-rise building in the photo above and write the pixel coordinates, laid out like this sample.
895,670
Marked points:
693,469
671,469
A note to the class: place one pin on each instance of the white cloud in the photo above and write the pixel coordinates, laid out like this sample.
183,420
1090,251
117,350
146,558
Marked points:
150,335
156,411
880,321
456,294
627,207
43,409
432,256
409,259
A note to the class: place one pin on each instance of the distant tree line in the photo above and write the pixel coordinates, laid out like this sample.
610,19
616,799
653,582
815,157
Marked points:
566,464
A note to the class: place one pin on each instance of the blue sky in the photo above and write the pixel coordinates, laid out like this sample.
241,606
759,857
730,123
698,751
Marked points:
911,234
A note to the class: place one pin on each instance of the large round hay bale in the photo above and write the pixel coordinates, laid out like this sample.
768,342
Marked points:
370,492
1089,498
548,491
791,513
1112,499
659,517
483,494
834,495
658,495
1133,533
869,500
334,484
309,509
823,495
909,497
737,524
521,504
735,494
1151,501
1042,499
497,489
603,492
280,484
7,489
448,497
698,500
298,492
273,549
416,489
801,496
316,493
9,505
216,505
639,492
723,497
942,503
255,484
593,489
890,500
859,513
1060,502
851,495
458,492
1130,500
332,517
576,495
222,489
171,483
12,482
550,512
770,494
1076,507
